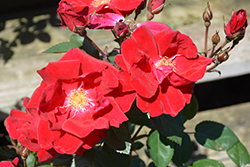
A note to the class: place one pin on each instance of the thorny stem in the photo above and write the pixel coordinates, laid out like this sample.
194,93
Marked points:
211,55
224,44
206,35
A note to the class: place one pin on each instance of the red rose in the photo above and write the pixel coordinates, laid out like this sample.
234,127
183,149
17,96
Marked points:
161,68
235,28
9,163
77,101
94,13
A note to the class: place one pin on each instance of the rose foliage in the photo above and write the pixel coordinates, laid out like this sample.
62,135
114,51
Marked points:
90,100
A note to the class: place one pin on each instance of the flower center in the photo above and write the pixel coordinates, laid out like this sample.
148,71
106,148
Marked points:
97,3
77,99
167,62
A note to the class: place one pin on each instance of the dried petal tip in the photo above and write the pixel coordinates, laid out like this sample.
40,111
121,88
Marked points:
121,29
207,14
216,38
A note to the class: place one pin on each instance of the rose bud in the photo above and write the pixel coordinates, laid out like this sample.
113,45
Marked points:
222,56
155,6
216,38
207,15
150,16
235,28
121,29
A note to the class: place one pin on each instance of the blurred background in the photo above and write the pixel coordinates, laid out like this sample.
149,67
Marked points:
27,28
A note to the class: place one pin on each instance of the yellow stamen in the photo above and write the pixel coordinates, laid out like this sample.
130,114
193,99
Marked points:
167,62
97,3
77,99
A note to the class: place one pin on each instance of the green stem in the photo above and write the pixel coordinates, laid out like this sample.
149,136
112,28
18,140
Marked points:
211,55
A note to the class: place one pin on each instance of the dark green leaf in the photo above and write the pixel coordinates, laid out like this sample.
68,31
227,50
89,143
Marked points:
151,164
89,48
61,47
45,166
182,153
31,160
137,145
171,127
159,151
207,163
137,162
117,137
137,117
191,109
102,157
215,136
239,154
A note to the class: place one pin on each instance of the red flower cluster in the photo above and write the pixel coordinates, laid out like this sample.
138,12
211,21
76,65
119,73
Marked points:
161,68
78,14
235,28
78,99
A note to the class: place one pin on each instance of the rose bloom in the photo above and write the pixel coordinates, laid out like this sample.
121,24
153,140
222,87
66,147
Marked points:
9,163
79,98
235,28
94,13
161,68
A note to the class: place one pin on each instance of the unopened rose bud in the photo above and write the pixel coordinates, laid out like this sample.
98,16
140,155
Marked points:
150,16
216,38
235,28
223,56
207,15
121,29
155,6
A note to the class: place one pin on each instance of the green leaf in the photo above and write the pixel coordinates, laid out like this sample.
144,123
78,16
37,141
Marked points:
215,136
207,163
239,154
126,150
45,165
31,160
61,47
117,138
137,145
171,127
182,153
159,151
77,40
191,109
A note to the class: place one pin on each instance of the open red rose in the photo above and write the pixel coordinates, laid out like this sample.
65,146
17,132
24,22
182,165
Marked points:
9,163
235,28
161,67
77,101
94,13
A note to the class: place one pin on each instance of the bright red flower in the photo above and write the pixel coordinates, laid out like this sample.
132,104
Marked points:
235,28
161,68
94,13
9,163
77,101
